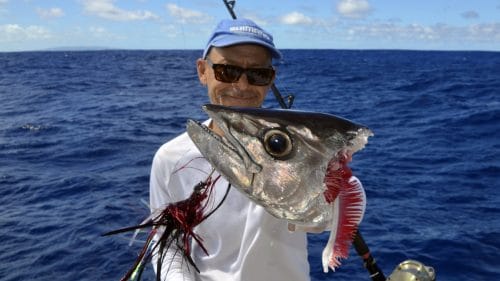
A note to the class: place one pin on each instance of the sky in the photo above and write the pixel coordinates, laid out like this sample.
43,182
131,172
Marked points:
321,24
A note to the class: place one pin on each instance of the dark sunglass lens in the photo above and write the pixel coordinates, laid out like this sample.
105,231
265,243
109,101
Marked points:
219,70
232,73
227,73
260,76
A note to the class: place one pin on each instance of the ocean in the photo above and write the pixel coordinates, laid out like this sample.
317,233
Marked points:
78,131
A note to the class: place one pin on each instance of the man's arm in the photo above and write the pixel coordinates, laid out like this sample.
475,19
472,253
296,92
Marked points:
174,266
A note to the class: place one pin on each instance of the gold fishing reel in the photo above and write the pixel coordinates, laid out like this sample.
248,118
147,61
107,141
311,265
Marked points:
412,270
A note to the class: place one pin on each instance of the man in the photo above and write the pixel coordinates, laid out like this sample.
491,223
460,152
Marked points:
243,241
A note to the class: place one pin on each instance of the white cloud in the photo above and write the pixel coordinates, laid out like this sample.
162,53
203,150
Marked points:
484,32
353,8
255,18
392,31
470,15
186,15
50,13
170,31
102,33
296,18
106,9
98,31
16,33
3,2
488,33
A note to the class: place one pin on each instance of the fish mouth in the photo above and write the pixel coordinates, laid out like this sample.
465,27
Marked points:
208,141
197,129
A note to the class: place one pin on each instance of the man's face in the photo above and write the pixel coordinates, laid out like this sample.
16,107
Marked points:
239,93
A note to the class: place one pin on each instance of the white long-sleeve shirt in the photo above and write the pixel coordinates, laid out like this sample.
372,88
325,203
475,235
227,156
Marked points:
243,241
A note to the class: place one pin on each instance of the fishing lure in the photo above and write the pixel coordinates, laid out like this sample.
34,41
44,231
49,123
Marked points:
175,227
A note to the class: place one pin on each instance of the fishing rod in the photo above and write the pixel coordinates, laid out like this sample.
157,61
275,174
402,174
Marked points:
369,263
408,270
359,244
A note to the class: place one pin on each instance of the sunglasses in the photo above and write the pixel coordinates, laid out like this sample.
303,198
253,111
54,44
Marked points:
231,73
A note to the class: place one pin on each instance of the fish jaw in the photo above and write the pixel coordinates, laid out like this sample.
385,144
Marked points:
223,155
290,187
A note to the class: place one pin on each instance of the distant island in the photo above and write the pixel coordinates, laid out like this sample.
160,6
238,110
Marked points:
79,48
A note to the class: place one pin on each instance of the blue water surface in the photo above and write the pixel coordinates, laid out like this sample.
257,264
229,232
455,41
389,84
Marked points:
78,131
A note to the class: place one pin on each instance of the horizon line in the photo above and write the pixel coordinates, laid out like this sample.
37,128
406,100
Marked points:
97,48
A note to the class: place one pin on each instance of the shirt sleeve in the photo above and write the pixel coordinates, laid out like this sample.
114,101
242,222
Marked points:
174,267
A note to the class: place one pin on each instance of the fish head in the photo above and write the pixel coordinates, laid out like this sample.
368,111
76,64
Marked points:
279,158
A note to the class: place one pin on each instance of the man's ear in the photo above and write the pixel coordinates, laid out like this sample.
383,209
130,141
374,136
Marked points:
201,68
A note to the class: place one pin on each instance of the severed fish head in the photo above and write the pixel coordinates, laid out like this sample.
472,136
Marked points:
281,159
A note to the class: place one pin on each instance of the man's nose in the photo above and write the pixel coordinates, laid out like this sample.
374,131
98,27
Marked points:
242,83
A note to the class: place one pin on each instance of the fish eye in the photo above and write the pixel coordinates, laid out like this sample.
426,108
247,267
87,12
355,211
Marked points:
277,143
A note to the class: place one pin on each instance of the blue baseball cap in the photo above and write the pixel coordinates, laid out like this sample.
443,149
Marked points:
231,32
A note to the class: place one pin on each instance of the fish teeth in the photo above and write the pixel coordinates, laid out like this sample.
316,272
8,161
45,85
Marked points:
217,137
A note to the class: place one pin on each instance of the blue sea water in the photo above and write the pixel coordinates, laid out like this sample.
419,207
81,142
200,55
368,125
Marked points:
78,131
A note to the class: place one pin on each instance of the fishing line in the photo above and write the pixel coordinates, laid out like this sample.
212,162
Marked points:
220,203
